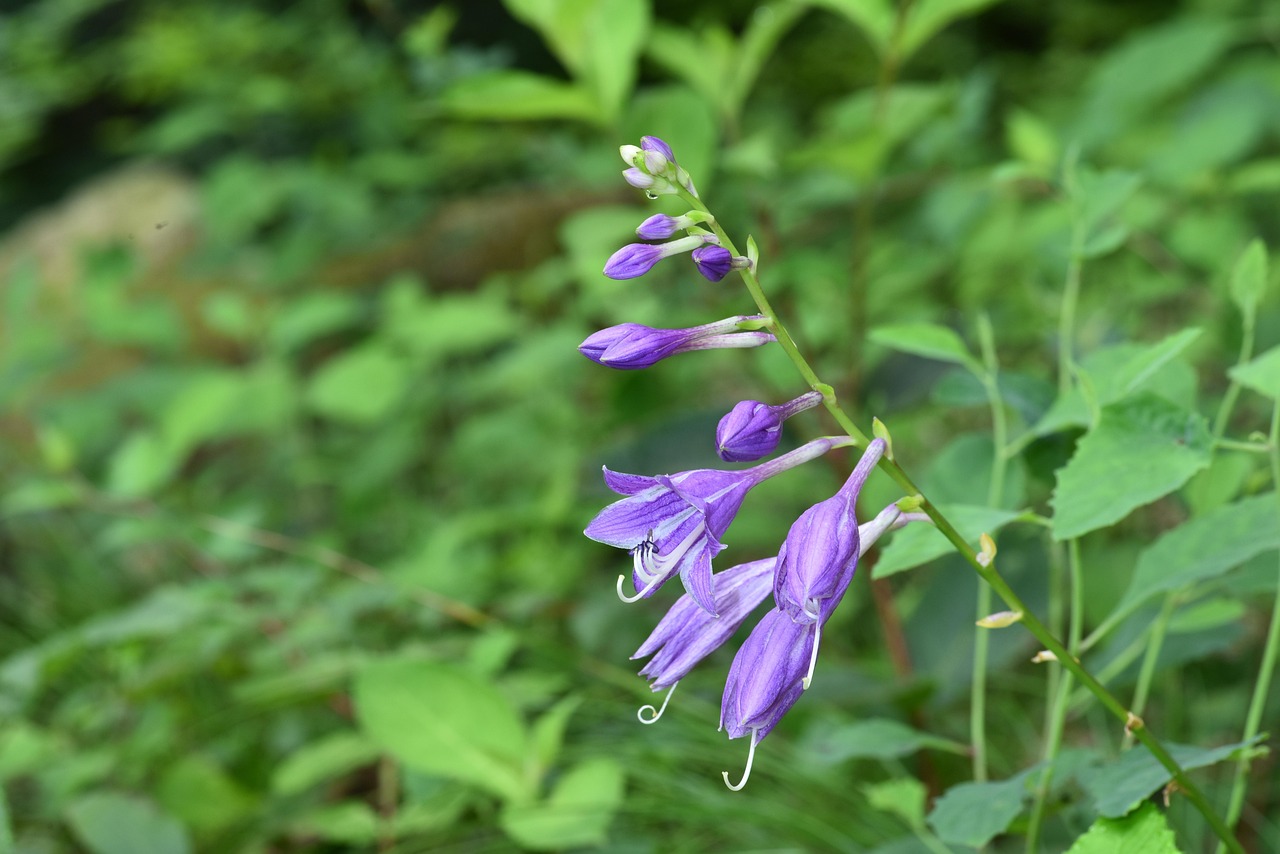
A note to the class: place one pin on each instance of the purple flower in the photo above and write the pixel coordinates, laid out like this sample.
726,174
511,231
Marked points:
688,633
752,429
630,346
661,226
672,524
654,144
765,681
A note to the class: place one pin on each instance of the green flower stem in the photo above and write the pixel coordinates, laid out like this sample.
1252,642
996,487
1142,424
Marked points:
1159,629
987,572
1258,703
1061,697
990,380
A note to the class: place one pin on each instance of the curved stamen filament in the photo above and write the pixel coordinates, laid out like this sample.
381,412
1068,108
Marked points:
746,772
813,657
652,713
645,591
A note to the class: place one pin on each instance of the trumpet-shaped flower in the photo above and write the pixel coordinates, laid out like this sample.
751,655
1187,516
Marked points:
631,346
688,633
672,524
752,429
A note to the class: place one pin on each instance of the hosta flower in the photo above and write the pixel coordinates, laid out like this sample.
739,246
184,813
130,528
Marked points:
815,565
752,429
688,633
714,262
636,259
672,524
765,681
630,346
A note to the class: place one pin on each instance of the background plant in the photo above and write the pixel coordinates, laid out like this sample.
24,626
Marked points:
298,451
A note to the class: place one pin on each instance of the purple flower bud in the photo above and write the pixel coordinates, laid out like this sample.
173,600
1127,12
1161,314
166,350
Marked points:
752,429
714,262
653,143
661,226
638,178
636,259
631,346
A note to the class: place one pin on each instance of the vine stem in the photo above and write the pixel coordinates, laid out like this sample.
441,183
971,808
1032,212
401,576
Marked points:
987,572
1258,703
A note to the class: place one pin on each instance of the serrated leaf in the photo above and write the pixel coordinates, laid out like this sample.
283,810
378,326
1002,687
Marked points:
1143,448
975,813
1249,278
1143,832
1204,548
443,721
577,813
875,738
118,823
1261,374
518,95
1119,786
928,340
920,543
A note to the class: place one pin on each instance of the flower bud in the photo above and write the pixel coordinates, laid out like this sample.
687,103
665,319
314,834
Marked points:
752,429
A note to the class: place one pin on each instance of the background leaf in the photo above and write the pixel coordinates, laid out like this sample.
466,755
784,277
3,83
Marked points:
1143,448
1144,831
441,720
116,823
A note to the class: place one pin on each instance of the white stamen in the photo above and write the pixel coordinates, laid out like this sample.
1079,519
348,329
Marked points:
654,714
813,658
746,772
648,588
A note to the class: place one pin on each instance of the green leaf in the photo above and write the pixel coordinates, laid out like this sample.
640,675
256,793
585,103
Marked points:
904,797
323,761
198,791
36,496
352,822
548,730
874,17
928,340
1261,374
920,543
563,24
1143,832
875,738
1119,786
518,95
441,720
616,31
577,813
143,464
358,386
1031,140
1142,449
975,813
6,830
928,17
1249,279
1204,548
117,823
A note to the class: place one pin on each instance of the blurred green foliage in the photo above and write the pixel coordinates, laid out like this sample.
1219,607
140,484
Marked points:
298,450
